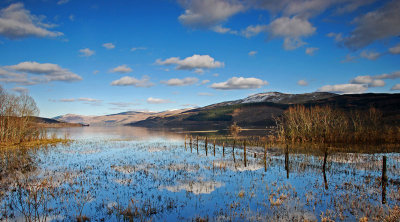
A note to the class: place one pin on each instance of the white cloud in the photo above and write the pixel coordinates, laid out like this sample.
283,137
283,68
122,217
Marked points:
240,83
223,30
71,17
86,52
393,75
376,80
252,53
21,90
253,30
308,8
108,45
370,81
290,27
292,30
192,62
47,71
121,69
16,22
208,13
131,81
311,50
344,88
395,49
395,87
205,94
152,100
199,71
369,55
292,43
376,25
181,82
302,82
138,48
204,82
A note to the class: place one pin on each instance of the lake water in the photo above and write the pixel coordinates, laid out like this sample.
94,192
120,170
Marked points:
127,173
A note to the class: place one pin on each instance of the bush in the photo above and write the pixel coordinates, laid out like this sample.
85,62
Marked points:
16,114
326,124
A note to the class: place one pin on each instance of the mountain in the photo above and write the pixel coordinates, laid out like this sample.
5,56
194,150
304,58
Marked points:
259,110
47,122
122,118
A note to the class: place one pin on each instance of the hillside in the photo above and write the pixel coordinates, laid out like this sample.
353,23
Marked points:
259,110
122,118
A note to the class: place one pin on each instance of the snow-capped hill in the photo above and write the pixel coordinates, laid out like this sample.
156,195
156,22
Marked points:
283,98
280,98
264,97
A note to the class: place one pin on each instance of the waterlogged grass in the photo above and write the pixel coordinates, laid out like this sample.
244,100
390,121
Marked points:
104,175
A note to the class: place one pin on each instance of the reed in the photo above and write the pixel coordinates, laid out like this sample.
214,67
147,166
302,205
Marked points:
324,124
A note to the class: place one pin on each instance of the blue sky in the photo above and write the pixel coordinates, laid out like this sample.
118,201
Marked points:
97,57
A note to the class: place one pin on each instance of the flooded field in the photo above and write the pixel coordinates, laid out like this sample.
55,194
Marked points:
117,174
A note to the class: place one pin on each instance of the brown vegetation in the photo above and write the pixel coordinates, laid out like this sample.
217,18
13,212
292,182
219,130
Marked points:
17,121
330,125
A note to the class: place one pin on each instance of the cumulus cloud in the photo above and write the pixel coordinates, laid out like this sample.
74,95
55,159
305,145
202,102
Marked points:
253,30
16,22
252,53
393,75
376,25
108,45
369,55
311,50
370,81
302,82
290,27
344,88
121,69
181,82
131,81
376,80
395,49
208,13
152,100
86,52
45,72
223,30
395,87
239,83
292,30
192,62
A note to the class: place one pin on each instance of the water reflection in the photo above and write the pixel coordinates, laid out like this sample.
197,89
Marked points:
118,173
